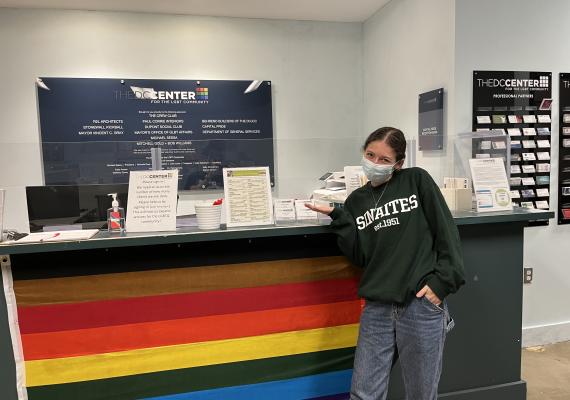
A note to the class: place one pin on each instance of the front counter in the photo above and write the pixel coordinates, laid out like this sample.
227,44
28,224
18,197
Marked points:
270,312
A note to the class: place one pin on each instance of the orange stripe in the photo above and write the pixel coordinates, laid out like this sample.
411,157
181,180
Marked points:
80,342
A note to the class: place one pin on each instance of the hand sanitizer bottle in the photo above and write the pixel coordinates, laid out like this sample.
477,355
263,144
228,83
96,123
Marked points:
115,216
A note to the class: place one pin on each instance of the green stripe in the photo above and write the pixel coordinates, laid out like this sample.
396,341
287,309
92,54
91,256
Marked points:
199,378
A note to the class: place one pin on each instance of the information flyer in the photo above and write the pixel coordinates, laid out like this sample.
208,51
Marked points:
96,131
248,196
152,201
490,184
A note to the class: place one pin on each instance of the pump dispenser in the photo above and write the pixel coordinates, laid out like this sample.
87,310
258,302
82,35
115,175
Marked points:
115,216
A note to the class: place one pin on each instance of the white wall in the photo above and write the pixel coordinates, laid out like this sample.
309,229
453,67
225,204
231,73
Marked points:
408,50
523,35
315,68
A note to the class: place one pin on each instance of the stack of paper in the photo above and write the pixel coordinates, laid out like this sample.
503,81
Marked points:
59,236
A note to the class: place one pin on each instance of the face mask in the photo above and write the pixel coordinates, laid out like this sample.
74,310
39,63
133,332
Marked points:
376,173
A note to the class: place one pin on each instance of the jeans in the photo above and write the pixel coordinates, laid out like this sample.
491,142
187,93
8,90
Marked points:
414,332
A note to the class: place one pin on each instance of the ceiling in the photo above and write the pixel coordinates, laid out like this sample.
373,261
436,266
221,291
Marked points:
314,10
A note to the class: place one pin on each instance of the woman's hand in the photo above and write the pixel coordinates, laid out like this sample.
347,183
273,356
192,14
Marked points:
429,294
320,208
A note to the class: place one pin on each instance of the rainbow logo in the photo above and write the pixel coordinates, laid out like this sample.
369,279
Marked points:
201,93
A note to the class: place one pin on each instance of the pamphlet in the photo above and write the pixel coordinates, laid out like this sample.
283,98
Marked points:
284,210
304,213
528,181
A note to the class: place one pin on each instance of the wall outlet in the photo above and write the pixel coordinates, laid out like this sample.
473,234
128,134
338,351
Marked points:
527,275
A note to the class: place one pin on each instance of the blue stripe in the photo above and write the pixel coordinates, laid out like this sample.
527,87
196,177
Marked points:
305,387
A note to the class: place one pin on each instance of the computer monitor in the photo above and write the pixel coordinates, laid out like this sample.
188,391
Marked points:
81,206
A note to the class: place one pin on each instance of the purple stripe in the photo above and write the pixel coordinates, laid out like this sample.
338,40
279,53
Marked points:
342,396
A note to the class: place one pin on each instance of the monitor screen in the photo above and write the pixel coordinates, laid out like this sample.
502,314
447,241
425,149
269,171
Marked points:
82,206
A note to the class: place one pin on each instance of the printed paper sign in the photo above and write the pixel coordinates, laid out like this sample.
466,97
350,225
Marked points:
248,196
152,201
490,184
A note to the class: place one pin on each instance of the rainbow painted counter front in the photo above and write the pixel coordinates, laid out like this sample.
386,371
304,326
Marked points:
184,323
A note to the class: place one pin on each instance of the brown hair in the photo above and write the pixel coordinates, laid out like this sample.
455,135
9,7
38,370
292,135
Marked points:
393,137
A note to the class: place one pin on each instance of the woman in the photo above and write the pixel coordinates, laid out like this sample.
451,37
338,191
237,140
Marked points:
399,229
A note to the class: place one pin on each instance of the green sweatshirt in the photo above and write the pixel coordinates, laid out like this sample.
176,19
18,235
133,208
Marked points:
405,241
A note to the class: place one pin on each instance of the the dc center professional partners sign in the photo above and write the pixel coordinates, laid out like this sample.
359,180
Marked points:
96,131
516,104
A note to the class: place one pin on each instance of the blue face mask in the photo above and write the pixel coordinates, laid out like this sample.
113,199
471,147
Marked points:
376,173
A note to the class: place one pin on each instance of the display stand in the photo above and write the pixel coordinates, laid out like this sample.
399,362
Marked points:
519,105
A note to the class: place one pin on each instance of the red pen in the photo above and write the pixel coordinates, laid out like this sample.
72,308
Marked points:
51,237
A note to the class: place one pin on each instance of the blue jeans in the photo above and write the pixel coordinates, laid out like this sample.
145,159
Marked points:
415,333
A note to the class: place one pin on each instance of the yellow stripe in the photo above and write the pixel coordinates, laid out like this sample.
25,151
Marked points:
133,362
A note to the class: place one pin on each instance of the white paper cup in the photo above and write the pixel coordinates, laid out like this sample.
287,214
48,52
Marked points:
209,216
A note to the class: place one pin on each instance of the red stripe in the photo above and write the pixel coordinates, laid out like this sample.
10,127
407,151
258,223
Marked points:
58,317
109,339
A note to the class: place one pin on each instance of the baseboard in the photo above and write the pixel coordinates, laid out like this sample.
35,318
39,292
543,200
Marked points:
508,391
545,334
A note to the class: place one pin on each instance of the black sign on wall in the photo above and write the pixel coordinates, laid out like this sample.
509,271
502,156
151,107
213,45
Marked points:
564,152
430,121
519,105
95,131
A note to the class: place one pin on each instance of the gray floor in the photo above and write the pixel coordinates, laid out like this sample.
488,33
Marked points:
546,369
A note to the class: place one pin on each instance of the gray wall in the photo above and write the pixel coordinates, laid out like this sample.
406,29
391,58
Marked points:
315,67
524,35
408,50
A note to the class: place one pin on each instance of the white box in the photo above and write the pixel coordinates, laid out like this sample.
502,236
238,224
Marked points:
457,199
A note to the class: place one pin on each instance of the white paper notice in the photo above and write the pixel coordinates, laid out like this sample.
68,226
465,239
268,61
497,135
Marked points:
248,196
152,201
354,178
490,184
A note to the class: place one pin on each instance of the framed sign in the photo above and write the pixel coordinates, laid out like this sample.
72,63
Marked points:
430,122
95,131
